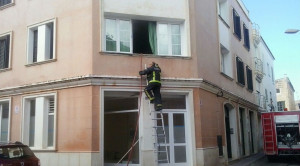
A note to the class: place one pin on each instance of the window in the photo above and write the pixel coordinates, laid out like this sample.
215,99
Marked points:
142,37
246,37
268,68
272,72
41,42
237,24
226,61
240,71
249,78
39,121
277,90
5,50
118,35
169,39
5,2
266,93
223,10
4,120
281,105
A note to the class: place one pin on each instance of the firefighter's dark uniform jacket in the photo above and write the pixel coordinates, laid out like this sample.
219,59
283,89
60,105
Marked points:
153,74
153,88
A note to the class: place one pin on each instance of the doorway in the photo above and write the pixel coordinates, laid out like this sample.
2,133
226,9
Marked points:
120,117
175,119
228,132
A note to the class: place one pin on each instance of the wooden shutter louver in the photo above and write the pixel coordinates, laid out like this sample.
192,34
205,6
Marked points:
51,105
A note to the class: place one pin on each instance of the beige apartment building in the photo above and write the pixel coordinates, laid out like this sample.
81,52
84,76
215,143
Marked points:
285,94
70,87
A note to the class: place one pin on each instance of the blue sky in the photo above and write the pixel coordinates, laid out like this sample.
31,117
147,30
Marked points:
273,18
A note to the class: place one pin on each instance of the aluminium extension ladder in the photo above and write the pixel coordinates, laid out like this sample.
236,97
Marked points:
160,137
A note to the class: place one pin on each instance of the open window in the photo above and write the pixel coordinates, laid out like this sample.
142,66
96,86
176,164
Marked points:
143,37
39,121
41,42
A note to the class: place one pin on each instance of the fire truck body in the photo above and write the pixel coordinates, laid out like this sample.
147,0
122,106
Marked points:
281,133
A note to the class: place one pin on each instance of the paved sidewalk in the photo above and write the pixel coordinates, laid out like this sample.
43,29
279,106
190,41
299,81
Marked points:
247,160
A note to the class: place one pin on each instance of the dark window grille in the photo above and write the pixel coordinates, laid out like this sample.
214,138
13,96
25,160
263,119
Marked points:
237,24
249,78
240,71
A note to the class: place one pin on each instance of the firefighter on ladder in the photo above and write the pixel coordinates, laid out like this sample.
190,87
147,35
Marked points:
152,90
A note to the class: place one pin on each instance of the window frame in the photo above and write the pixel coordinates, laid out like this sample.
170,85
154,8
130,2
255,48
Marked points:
246,37
170,44
240,82
169,24
29,44
25,112
118,35
7,5
236,32
249,78
10,49
223,9
9,115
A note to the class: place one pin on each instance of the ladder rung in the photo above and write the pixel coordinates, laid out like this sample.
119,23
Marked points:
157,119
157,126
160,151
159,135
157,111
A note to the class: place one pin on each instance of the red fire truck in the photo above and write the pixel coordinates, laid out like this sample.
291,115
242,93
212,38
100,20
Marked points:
281,133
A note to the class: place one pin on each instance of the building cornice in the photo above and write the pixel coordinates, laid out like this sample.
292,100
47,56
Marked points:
125,81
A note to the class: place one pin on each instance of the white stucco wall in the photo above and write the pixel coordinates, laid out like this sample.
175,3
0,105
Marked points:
156,8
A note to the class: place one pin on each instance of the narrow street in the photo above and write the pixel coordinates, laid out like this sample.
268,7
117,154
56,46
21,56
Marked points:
287,161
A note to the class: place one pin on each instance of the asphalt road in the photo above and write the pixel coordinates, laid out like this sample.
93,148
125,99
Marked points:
287,161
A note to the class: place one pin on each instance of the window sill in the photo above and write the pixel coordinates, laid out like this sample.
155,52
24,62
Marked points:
237,37
227,76
4,70
225,23
42,150
40,63
248,49
249,90
241,85
146,55
7,6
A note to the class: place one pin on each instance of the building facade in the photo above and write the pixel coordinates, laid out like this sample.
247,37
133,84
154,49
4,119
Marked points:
285,94
264,73
70,87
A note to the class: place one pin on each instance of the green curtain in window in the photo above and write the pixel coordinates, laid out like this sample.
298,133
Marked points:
152,37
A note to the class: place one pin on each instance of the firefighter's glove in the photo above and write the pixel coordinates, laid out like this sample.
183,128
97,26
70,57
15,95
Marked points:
141,73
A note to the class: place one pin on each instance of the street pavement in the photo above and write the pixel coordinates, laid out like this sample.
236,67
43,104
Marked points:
285,161
260,159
